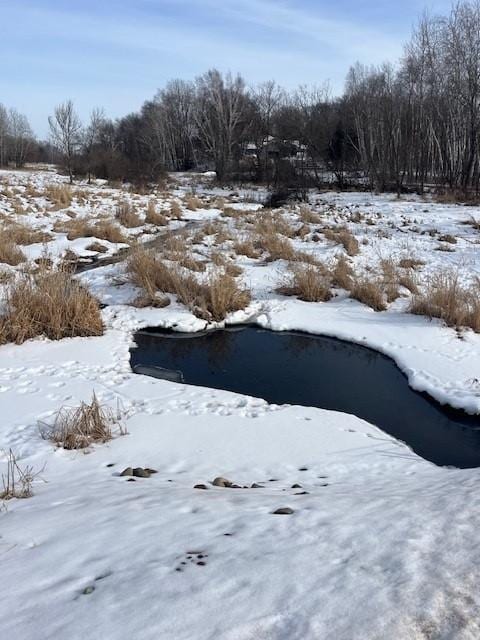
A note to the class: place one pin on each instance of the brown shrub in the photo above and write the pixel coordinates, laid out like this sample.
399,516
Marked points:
368,292
10,253
126,215
390,279
308,283
80,427
445,298
49,303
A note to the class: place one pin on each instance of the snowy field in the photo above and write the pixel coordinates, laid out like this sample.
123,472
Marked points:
380,545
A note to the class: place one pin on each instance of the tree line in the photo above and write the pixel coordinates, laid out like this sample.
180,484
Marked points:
412,125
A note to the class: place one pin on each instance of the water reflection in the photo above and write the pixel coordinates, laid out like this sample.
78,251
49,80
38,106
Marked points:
296,368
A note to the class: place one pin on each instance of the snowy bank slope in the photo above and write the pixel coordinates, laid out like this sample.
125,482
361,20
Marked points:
384,545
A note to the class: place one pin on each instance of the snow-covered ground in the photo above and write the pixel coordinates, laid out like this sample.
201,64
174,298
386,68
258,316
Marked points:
383,544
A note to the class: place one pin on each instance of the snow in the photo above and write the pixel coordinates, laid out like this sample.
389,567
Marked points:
383,545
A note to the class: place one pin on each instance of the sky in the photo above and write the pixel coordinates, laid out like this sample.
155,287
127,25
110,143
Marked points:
116,53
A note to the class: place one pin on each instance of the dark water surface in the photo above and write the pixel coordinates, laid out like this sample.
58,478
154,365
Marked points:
315,371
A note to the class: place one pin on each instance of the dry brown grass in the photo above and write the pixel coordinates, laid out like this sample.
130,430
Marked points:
154,217
85,228
307,216
60,195
98,247
10,253
308,283
17,481
193,203
48,303
151,275
369,292
220,260
175,210
269,223
126,215
21,234
445,297
411,263
390,278
342,273
448,238
211,300
247,248
82,426
276,247
343,236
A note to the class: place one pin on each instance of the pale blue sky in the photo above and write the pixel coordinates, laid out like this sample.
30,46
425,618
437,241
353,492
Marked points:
116,53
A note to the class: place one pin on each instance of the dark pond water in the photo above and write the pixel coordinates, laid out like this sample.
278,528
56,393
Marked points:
315,371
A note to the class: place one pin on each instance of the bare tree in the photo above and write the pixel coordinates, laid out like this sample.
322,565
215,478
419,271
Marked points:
91,137
219,116
66,129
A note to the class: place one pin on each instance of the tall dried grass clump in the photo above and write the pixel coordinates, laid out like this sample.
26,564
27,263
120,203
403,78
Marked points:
445,297
344,237
307,216
308,283
210,300
17,481
126,215
48,303
247,248
342,273
21,234
80,427
60,195
276,246
175,210
154,217
84,228
10,253
147,272
369,292
193,203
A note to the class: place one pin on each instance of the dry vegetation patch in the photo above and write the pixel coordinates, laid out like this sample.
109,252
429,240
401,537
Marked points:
126,215
211,300
369,292
10,253
60,195
80,427
308,283
445,297
154,217
344,237
48,303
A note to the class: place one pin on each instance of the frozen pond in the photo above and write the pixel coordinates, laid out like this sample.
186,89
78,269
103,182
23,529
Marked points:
302,369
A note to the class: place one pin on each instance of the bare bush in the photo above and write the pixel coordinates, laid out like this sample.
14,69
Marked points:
277,247
308,216
21,234
84,228
48,303
80,427
17,481
247,248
